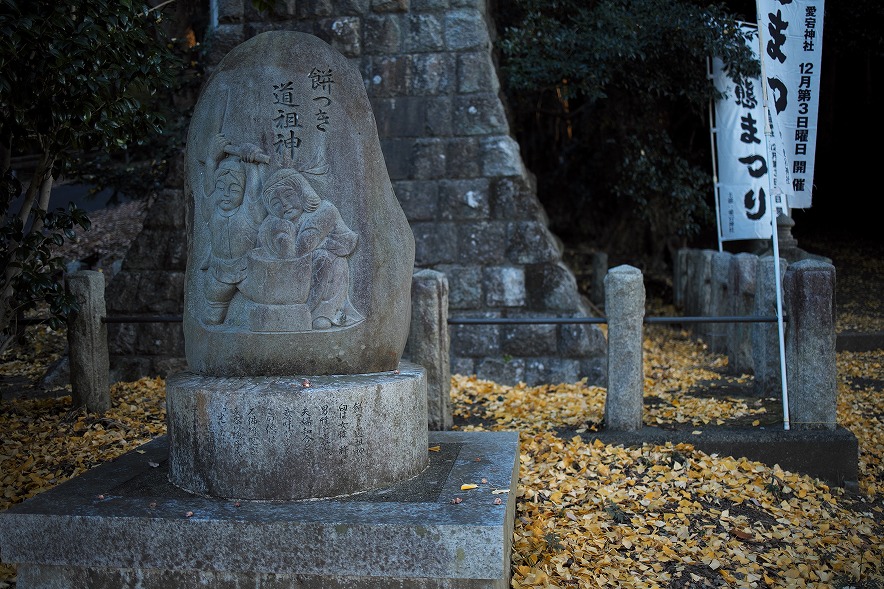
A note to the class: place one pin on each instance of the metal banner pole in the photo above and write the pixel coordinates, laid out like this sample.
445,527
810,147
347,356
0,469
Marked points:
713,128
774,213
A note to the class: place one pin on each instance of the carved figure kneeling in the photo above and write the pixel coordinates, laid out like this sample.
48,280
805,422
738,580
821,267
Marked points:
306,243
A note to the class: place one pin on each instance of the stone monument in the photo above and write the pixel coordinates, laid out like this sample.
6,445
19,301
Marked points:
296,238
297,452
296,301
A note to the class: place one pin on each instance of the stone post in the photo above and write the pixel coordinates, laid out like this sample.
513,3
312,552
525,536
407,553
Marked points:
704,293
809,304
720,301
87,342
689,292
765,336
679,275
625,306
599,271
741,284
428,343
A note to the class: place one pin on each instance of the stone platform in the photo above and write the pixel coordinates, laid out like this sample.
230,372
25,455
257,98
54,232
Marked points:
122,524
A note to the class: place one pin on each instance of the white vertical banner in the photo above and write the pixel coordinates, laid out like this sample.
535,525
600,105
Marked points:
792,45
741,151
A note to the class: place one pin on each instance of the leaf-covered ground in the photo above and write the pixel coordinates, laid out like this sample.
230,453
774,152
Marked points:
589,514
596,515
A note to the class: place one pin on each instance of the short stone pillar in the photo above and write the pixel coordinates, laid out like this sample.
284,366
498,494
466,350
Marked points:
428,343
809,304
693,260
703,286
679,276
625,309
765,336
741,285
698,284
87,342
720,301
599,271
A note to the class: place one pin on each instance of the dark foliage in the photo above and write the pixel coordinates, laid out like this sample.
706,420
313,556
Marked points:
75,78
608,105
609,102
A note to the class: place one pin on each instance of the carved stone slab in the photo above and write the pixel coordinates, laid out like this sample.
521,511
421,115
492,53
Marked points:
299,255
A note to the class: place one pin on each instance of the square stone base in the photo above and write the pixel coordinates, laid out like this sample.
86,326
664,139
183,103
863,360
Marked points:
122,524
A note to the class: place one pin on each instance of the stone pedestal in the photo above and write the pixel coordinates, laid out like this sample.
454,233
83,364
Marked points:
296,437
122,524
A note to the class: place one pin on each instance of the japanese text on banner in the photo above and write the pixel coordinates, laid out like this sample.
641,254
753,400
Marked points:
792,44
742,155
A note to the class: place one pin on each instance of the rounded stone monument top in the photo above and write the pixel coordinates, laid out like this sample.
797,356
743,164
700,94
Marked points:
299,254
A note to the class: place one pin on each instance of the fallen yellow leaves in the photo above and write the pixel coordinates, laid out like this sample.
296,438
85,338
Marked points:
588,514
860,411
45,442
526,408
592,515
646,523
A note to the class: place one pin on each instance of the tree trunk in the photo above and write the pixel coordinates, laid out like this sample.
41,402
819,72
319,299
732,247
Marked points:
39,188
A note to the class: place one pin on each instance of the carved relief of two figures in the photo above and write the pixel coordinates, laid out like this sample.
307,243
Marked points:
278,252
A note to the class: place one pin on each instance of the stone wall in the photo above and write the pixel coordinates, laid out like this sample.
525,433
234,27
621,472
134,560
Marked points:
150,282
429,71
